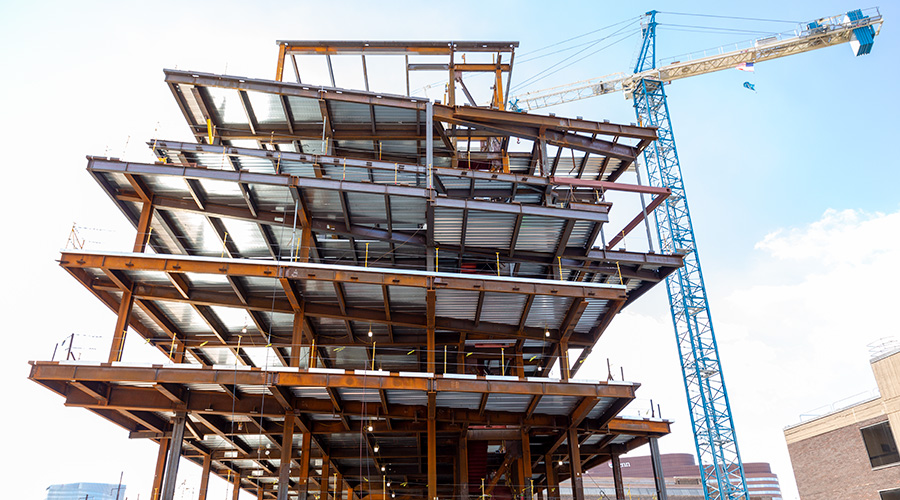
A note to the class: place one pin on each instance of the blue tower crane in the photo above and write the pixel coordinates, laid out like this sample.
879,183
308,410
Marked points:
721,469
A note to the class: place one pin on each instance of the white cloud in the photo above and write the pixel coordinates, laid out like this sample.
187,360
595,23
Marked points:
793,337
846,237
792,332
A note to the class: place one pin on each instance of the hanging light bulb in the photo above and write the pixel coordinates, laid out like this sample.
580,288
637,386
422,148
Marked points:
370,332
560,463
546,333
370,428
540,368
376,448
382,468
388,484
393,495
244,330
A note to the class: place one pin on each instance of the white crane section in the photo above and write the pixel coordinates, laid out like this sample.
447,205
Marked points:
817,34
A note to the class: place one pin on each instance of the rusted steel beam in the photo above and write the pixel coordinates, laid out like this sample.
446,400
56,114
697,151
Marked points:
48,371
212,423
203,298
113,304
342,161
332,273
97,390
316,47
571,258
279,67
552,137
140,400
541,121
248,111
201,80
143,228
467,67
121,329
499,473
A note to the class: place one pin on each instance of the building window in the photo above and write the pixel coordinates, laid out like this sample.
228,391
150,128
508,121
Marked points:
880,444
890,494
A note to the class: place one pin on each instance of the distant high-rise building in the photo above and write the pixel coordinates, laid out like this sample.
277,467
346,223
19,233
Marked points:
682,477
86,491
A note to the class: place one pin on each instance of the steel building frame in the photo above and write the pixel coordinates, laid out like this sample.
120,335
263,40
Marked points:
381,284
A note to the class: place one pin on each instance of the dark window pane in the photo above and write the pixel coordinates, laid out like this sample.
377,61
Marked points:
890,495
880,444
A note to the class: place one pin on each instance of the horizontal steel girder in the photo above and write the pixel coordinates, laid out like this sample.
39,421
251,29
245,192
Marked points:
340,274
386,190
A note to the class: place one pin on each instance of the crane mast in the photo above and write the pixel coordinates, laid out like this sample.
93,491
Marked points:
721,469
722,472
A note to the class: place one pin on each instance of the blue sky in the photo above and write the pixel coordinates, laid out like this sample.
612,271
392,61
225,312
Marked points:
792,191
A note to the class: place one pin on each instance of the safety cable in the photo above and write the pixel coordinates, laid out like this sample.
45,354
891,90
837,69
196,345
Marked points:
579,36
537,78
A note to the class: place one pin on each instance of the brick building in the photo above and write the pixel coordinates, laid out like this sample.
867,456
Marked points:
853,451
682,478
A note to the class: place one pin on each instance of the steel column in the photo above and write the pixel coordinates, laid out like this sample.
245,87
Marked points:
236,485
323,483
303,486
168,489
430,299
463,468
297,336
160,469
306,243
429,143
575,478
143,229
658,476
526,465
552,478
617,477
338,488
432,460
287,446
204,477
